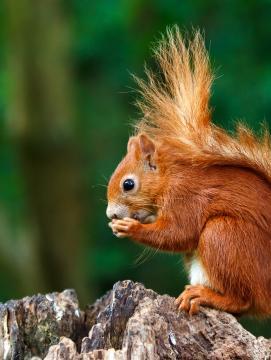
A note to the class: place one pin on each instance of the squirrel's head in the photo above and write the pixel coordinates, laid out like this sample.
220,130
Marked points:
136,182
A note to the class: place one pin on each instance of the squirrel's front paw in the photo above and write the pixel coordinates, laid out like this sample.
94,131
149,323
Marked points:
124,227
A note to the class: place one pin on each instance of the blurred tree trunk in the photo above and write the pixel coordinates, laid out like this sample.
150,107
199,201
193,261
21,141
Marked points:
41,121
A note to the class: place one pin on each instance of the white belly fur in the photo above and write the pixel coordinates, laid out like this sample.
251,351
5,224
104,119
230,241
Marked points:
197,274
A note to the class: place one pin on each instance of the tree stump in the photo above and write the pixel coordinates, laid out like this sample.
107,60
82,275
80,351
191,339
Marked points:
129,322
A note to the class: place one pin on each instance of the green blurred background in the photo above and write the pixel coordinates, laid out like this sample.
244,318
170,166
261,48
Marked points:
66,104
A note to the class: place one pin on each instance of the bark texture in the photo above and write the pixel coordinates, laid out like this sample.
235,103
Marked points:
129,322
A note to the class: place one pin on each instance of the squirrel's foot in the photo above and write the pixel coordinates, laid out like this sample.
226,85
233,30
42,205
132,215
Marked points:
196,295
124,227
191,298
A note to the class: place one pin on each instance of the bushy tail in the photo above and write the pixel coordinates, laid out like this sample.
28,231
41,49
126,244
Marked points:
175,105
175,102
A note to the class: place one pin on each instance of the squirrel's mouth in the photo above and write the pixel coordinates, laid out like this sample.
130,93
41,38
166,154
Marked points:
144,216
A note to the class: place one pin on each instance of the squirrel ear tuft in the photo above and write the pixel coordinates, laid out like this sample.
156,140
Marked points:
147,149
132,144
146,145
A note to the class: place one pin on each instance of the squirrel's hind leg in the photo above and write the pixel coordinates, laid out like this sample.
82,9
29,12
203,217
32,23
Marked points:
226,252
195,296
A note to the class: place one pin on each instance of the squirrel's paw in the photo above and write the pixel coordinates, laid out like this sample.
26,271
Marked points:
191,298
124,227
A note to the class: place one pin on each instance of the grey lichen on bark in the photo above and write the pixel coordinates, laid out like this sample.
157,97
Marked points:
129,322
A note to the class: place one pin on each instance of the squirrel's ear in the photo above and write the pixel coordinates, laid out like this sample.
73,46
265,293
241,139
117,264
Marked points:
147,149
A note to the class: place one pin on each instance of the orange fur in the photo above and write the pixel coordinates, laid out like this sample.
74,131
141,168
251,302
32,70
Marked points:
198,190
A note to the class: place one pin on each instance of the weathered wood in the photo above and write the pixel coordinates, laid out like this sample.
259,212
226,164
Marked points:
129,322
29,326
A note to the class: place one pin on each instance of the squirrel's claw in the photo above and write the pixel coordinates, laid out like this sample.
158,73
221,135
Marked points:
191,298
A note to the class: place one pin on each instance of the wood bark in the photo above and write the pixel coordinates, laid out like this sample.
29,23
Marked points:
129,322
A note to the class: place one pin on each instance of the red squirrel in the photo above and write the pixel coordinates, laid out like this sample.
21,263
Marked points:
188,186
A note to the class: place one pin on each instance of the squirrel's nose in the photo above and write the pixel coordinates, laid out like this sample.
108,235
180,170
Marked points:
110,213
116,211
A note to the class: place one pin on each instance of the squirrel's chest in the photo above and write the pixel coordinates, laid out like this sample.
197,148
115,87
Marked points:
197,273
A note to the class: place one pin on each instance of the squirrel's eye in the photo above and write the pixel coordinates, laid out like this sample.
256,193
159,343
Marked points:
128,184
